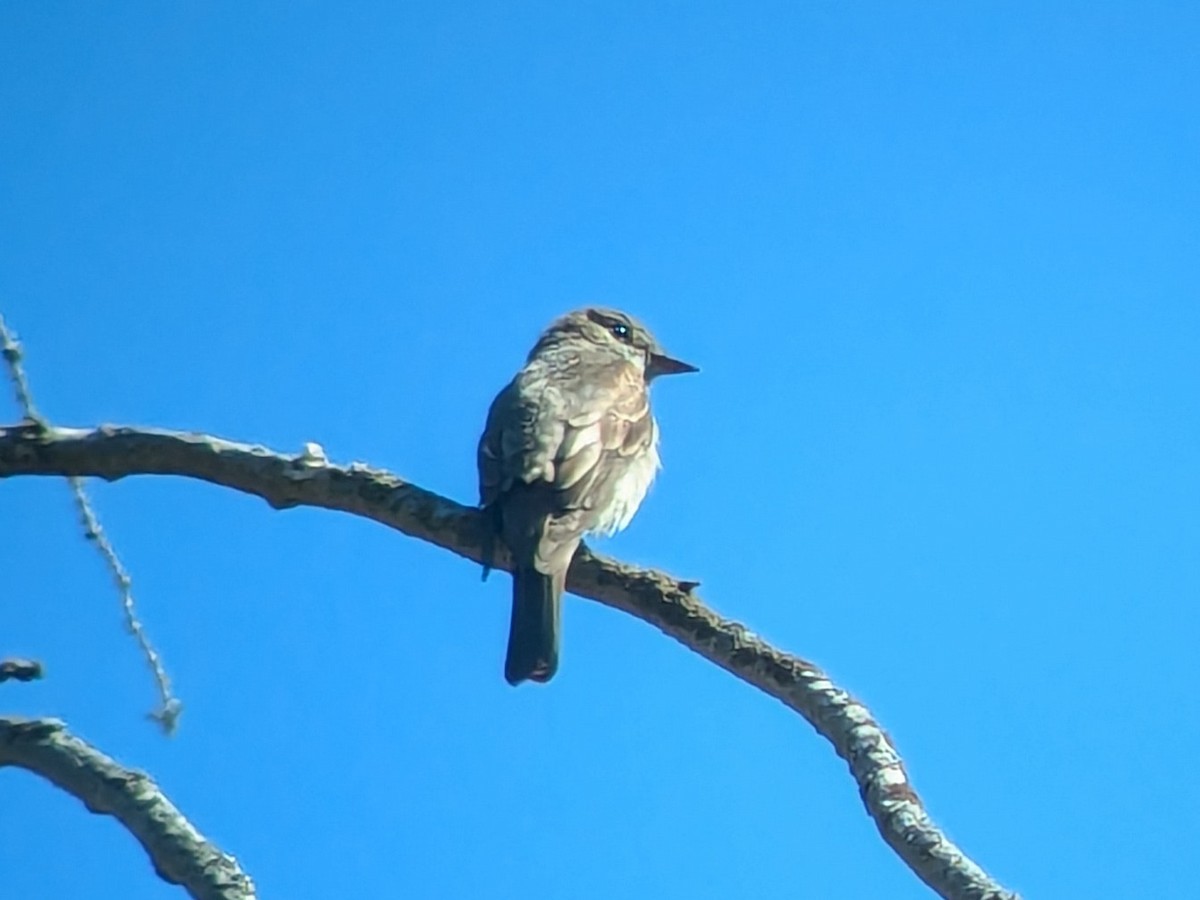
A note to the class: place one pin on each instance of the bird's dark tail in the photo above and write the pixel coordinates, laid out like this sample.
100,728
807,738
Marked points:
533,634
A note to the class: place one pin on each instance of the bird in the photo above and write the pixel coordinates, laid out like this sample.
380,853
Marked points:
569,449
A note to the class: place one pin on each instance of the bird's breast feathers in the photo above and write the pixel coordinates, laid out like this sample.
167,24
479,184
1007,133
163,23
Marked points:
629,489
593,442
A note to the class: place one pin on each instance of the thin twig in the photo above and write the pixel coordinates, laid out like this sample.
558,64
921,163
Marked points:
11,350
167,715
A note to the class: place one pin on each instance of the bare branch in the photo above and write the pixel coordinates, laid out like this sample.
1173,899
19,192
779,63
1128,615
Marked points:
671,605
180,854
167,715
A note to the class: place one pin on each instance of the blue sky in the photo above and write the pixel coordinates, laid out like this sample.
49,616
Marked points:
939,267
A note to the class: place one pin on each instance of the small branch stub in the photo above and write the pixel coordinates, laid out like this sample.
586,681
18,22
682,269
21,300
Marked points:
20,670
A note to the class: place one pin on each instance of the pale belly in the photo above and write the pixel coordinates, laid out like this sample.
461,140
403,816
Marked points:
629,491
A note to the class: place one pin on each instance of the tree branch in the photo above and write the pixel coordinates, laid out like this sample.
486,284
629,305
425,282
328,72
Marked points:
167,715
308,479
180,854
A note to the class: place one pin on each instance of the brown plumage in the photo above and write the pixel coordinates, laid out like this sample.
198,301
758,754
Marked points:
570,448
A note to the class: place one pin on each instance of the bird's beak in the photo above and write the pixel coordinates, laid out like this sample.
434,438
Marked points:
661,364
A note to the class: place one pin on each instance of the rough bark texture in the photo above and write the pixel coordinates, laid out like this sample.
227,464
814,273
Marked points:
180,854
667,603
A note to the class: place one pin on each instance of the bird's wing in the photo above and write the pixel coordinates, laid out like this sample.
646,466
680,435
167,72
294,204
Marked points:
525,427
608,423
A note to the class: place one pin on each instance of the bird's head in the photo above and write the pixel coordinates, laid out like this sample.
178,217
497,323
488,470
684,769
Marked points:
618,333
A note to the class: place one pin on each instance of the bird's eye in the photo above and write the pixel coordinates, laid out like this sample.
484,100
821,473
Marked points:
620,330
